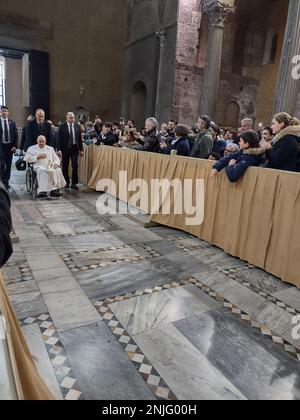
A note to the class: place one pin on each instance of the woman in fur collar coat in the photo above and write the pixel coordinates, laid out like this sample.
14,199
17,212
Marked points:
283,152
251,154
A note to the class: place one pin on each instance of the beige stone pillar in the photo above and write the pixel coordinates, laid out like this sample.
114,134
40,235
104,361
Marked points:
289,73
217,13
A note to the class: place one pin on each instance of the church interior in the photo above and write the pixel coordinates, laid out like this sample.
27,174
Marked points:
135,305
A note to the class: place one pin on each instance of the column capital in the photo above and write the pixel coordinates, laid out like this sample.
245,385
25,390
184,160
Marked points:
162,35
218,12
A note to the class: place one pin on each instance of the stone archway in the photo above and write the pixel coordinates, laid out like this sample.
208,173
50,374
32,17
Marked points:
138,102
232,115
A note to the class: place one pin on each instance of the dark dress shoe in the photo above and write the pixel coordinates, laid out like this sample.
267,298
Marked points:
74,187
55,194
42,195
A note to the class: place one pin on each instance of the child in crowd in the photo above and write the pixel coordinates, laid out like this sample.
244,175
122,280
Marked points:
251,154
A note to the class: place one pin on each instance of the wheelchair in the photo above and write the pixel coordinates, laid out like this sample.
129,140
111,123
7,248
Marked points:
31,181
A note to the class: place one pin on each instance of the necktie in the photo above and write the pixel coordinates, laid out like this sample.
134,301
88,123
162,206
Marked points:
40,127
72,135
6,132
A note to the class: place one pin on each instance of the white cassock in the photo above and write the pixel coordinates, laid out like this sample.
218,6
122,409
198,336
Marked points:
49,179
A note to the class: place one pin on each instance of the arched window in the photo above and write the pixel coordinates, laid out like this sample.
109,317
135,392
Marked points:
138,102
271,47
232,115
2,81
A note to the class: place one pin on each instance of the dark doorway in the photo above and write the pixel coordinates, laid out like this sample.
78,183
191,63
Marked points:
39,81
138,101
24,84
232,115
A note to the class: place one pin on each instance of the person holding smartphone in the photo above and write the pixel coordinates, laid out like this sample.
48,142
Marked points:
180,146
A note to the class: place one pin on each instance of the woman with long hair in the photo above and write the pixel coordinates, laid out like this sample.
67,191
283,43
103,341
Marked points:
283,152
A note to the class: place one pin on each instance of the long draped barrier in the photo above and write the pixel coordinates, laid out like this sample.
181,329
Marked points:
25,381
256,219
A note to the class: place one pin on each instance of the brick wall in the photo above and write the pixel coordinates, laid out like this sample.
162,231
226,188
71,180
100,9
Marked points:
276,22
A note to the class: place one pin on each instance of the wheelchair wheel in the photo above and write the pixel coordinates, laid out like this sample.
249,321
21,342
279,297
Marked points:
34,190
29,180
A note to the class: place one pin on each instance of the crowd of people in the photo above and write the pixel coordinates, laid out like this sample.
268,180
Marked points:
276,146
50,148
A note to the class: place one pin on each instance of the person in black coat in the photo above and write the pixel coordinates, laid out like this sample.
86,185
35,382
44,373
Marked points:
171,130
219,146
36,128
69,146
181,142
24,132
5,226
151,139
8,145
107,137
251,154
282,152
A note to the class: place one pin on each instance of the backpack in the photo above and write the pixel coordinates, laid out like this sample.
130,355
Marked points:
21,165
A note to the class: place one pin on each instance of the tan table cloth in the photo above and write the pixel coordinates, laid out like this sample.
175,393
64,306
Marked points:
256,219
27,380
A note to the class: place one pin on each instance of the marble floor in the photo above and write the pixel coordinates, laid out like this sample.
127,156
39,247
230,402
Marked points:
112,310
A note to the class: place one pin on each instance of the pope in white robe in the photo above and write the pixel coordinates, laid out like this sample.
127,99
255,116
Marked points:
46,164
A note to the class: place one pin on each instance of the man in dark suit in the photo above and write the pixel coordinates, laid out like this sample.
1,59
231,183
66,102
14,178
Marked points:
5,226
36,128
24,132
8,145
69,146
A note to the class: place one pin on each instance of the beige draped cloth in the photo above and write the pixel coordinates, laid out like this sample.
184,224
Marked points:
256,219
28,383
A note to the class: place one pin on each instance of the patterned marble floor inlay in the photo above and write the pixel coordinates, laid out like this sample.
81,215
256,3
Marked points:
61,366
115,307
239,276
17,273
103,257
62,230
136,355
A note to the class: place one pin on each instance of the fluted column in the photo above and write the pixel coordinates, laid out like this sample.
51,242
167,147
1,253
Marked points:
217,14
162,35
288,78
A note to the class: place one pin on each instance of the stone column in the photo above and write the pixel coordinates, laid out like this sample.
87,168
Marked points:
288,78
162,35
217,13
